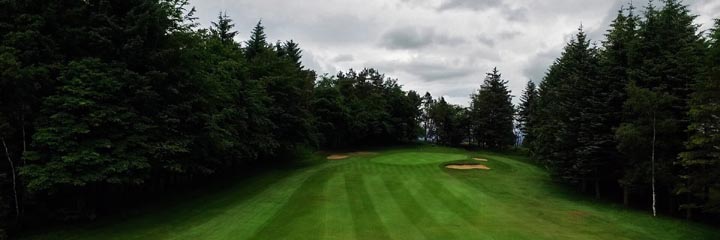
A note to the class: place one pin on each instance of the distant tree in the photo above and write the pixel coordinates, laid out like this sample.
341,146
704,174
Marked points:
449,121
257,43
364,108
292,51
528,102
427,103
492,113
223,28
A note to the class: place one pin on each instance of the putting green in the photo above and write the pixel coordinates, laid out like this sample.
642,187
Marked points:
417,158
395,194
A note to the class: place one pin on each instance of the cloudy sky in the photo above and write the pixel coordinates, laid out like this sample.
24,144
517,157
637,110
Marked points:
441,46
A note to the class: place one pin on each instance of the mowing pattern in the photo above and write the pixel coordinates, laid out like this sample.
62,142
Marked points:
399,194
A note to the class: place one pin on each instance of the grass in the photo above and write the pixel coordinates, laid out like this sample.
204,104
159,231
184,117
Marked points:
397,194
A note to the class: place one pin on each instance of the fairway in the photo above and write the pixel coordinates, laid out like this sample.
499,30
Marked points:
394,194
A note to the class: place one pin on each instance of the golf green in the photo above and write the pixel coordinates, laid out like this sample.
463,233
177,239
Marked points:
394,194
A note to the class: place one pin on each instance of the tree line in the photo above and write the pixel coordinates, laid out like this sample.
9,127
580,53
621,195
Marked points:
487,123
637,116
103,102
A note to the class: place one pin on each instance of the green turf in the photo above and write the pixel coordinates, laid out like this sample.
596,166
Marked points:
396,194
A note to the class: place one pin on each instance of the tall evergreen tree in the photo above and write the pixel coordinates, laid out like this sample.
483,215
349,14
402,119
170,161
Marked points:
618,59
701,160
670,53
528,102
568,97
427,103
492,113
223,28
257,43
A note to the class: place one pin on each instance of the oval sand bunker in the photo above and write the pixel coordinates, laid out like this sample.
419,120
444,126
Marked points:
467,166
337,157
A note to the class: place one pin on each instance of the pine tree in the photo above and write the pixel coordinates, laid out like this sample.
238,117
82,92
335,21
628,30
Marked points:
618,59
701,161
292,50
528,102
90,135
567,115
492,113
427,103
222,29
669,54
257,43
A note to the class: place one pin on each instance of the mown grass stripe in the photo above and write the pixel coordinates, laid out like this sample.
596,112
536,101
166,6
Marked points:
302,216
415,211
367,223
338,217
390,212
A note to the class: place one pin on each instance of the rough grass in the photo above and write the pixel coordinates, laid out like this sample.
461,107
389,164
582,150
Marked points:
396,194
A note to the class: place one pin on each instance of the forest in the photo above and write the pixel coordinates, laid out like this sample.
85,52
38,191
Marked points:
105,105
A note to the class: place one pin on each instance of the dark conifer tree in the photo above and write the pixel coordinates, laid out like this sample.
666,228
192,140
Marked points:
492,113
701,160
223,28
618,59
670,53
528,102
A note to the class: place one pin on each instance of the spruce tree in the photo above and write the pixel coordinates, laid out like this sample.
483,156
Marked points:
492,113
257,43
222,29
528,102
618,59
669,53
701,160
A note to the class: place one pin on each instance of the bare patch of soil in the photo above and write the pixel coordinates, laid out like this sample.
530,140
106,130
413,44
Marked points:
467,166
480,159
337,157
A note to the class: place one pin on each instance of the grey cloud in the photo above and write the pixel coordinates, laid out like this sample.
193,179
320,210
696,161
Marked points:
343,58
516,14
426,70
510,13
537,67
486,40
416,37
509,35
470,4
311,62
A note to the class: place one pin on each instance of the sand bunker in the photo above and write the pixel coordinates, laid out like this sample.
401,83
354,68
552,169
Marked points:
480,159
467,166
337,157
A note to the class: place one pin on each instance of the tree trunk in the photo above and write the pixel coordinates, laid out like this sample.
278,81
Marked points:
14,179
652,164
